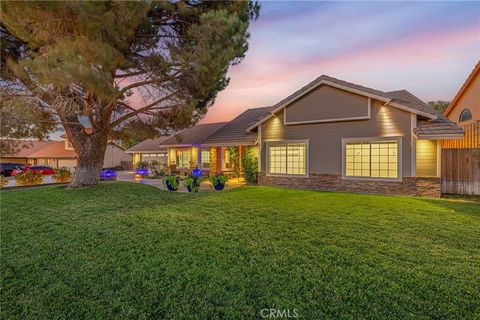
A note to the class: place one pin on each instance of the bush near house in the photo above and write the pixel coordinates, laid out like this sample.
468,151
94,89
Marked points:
62,175
28,178
3,181
250,167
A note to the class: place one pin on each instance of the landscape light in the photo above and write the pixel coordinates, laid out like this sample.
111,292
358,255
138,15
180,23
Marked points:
142,171
197,173
108,174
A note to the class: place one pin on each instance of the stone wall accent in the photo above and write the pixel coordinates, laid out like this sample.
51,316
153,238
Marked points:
213,159
411,186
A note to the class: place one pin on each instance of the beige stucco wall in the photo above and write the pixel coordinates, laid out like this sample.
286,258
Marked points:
325,139
426,157
114,155
469,99
325,103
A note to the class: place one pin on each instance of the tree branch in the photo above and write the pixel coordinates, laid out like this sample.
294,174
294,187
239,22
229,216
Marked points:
141,110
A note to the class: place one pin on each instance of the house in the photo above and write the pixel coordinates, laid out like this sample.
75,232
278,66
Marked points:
329,135
461,172
148,151
60,154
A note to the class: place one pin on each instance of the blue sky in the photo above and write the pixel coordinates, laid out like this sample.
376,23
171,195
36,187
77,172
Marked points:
428,48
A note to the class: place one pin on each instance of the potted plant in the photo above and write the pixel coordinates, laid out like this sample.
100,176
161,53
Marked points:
192,184
218,181
171,182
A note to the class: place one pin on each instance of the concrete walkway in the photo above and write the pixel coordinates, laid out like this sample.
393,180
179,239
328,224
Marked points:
204,186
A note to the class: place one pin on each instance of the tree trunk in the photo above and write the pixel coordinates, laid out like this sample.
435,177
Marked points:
87,172
90,152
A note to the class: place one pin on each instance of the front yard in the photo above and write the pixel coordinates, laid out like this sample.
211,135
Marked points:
124,250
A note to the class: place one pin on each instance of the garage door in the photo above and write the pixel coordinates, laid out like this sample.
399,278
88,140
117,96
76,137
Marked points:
69,163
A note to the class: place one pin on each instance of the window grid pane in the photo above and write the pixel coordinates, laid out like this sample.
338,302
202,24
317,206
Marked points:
287,158
376,159
205,158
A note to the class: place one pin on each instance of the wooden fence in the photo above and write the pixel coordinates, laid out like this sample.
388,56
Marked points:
461,171
471,138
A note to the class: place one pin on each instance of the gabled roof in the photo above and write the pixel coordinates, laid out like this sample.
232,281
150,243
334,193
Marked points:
235,131
55,149
473,74
149,145
27,148
441,127
193,135
401,99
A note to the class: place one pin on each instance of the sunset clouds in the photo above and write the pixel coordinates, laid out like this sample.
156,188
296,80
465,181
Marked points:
428,48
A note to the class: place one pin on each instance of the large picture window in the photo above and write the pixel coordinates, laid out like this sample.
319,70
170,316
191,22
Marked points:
372,159
289,158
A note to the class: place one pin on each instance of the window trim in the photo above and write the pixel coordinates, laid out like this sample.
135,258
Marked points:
267,157
461,114
398,139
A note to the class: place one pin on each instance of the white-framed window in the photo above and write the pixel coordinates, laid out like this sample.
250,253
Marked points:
372,158
205,159
287,158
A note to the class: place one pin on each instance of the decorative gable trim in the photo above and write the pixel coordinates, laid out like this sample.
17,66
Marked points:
345,88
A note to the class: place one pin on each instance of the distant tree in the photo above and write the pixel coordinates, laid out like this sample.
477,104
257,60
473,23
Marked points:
128,66
439,105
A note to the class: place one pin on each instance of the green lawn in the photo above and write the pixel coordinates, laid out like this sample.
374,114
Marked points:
123,250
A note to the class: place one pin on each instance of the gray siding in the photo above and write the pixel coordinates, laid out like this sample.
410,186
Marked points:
325,154
326,103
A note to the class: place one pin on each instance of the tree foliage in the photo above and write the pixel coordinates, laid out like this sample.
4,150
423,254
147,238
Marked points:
439,105
129,67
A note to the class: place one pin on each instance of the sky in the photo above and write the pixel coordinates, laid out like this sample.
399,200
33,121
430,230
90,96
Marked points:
428,48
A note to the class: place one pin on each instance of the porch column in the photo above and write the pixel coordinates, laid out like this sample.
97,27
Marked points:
213,160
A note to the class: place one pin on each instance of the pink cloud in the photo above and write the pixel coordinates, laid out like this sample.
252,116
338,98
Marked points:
422,63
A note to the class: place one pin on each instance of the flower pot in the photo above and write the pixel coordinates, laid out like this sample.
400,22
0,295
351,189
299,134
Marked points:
219,186
170,187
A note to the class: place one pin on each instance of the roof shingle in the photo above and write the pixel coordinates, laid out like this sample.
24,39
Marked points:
439,126
194,135
235,131
149,145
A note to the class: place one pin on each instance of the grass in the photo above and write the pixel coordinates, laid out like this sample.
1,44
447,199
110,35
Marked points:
124,251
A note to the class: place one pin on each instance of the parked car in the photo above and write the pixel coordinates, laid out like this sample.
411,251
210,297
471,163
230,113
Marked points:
36,169
7,168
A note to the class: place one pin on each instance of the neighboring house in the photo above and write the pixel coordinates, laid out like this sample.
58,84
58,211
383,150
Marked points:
329,135
58,154
461,170
148,151
464,109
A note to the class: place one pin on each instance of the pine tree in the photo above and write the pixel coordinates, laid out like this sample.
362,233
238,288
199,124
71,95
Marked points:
144,65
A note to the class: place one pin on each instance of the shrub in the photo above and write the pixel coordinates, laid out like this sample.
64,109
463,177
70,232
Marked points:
3,181
218,178
28,178
172,181
193,183
62,175
250,166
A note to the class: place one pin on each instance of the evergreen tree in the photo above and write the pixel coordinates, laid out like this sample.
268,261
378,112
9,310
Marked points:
126,66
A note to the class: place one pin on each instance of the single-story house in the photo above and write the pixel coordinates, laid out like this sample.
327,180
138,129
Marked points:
149,150
58,154
329,135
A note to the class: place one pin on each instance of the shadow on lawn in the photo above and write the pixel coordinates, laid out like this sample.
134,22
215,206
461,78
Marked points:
469,205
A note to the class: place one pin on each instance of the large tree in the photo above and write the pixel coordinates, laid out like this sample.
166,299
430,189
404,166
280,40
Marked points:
126,66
